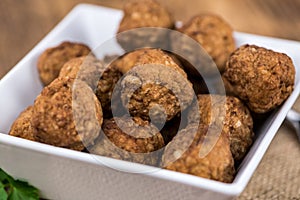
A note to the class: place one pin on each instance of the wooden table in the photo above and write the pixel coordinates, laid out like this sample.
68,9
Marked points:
24,23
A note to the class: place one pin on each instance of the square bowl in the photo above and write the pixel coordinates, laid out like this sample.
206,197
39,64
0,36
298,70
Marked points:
65,174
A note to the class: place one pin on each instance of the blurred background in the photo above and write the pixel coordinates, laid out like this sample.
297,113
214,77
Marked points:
23,23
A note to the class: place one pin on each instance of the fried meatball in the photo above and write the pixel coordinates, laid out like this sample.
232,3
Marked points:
67,114
85,68
130,139
52,60
183,154
212,33
127,61
260,77
22,125
156,88
236,120
101,77
145,13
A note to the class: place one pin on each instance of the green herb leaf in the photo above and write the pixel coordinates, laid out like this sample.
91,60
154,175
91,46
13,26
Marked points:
22,190
3,194
11,189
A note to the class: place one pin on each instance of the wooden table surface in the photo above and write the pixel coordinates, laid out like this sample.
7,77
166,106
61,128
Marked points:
23,23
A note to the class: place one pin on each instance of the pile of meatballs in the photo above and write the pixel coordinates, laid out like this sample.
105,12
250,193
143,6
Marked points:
109,107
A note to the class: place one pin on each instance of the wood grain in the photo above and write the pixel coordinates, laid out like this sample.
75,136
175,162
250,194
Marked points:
23,23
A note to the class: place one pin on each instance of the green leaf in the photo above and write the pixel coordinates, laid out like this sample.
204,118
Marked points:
3,194
22,190
11,189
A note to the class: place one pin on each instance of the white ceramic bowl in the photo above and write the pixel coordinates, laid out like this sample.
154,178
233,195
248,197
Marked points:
65,174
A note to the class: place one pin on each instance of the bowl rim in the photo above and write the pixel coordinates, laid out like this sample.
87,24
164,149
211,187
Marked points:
243,175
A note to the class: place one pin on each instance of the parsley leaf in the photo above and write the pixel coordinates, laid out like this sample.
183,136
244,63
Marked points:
21,190
11,189
3,194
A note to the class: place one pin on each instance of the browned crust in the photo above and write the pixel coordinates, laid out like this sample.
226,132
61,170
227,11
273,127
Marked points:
218,164
53,116
214,34
260,77
236,121
145,13
22,125
52,60
130,140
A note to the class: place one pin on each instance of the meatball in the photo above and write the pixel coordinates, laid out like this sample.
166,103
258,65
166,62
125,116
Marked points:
130,139
145,13
22,125
213,34
183,154
128,61
156,88
102,79
235,119
260,77
52,60
85,68
67,114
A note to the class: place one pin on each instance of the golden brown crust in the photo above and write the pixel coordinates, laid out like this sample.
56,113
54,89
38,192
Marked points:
144,87
239,126
145,13
149,17
236,120
146,56
214,34
102,78
159,57
142,100
262,78
129,139
128,61
52,60
218,164
22,125
54,116
86,68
